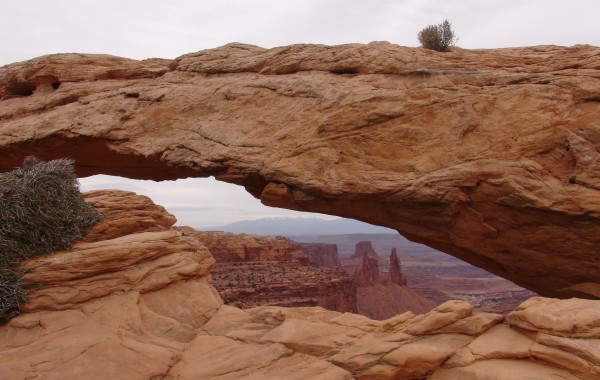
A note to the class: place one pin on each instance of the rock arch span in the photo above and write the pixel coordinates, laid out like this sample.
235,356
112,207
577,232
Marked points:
488,155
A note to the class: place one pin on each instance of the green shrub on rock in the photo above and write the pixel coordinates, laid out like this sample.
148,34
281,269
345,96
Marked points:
437,37
41,210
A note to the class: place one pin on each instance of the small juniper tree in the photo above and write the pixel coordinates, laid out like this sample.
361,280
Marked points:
41,210
437,37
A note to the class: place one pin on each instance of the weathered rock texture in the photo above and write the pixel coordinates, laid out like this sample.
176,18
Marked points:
489,155
141,306
125,213
121,307
288,284
384,296
394,275
321,255
368,272
363,248
229,247
255,270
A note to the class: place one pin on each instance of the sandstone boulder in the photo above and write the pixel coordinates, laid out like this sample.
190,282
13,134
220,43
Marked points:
125,213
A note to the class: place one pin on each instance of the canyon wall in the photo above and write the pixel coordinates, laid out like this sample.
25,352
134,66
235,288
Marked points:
255,270
364,248
229,247
321,255
488,155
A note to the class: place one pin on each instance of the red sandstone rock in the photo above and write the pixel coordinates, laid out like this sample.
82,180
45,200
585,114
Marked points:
282,283
383,301
364,248
368,273
229,247
256,270
395,275
321,255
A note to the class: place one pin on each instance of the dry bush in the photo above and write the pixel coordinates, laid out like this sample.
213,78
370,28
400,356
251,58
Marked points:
41,210
437,37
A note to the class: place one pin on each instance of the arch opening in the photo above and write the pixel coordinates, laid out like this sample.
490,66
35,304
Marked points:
206,204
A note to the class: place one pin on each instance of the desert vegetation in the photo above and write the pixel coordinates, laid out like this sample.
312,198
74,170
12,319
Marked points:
41,210
437,37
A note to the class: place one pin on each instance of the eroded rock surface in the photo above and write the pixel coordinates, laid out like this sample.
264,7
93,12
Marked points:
489,155
255,270
395,275
118,307
368,272
321,255
364,248
289,284
230,247
141,306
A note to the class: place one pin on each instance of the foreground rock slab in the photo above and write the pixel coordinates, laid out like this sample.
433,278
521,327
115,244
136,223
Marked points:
488,155
142,306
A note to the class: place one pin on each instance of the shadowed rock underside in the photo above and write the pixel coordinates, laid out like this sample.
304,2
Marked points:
488,155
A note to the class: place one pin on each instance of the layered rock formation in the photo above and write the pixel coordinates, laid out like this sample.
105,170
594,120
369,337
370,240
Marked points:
394,275
381,297
287,284
364,248
124,306
140,305
434,275
255,270
368,273
489,155
321,255
229,247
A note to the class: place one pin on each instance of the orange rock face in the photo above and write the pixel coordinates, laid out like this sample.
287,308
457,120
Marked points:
489,155
125,213
118,307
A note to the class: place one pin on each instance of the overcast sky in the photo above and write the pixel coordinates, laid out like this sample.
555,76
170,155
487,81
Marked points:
159,28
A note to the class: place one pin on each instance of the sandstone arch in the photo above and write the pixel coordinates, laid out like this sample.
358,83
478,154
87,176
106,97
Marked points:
489,155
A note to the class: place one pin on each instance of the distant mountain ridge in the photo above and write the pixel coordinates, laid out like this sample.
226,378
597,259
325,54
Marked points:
299,226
